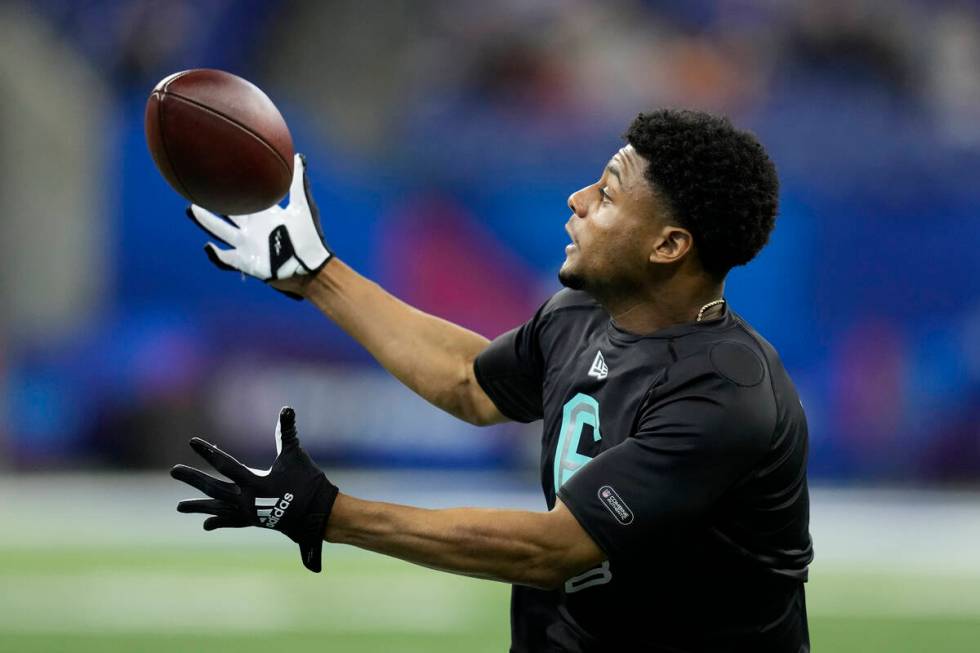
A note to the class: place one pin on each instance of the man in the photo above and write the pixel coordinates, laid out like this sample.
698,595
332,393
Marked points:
674,443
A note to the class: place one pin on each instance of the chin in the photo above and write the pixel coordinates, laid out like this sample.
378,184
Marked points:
570,280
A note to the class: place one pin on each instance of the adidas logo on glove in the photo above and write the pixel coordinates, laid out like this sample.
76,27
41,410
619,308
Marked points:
271,510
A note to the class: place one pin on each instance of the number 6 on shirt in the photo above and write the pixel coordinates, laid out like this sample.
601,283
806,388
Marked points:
577,412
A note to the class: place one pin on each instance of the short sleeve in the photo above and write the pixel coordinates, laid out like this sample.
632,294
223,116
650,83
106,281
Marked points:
511,370
695,438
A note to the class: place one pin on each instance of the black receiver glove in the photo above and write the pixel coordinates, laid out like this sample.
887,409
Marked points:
293,496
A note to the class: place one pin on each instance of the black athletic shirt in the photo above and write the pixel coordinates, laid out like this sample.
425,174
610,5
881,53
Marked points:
683,455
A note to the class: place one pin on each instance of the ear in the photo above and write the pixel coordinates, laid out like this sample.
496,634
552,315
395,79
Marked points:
671,245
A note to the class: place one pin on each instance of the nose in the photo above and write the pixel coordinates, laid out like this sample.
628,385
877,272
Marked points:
577,203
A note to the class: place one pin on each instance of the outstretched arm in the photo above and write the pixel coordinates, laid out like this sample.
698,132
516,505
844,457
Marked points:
539,549
433,357
285,248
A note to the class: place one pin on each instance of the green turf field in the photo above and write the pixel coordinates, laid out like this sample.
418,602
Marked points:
257,599
104,564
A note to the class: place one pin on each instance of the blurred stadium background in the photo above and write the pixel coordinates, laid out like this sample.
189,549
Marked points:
443,139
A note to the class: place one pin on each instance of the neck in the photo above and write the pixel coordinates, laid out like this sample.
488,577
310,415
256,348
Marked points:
657,308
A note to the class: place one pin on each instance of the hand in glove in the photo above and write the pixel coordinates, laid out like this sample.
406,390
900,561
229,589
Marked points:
293,496
274,244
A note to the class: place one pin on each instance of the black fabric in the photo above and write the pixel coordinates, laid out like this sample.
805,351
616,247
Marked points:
511,371
280,249
685,462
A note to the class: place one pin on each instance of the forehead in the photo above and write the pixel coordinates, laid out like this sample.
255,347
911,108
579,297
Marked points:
630,169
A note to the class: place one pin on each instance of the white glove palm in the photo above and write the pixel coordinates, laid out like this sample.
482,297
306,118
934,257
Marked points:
277,243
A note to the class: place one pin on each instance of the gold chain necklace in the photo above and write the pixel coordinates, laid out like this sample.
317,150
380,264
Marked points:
707,306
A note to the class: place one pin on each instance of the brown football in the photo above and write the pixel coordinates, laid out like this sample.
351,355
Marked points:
219,141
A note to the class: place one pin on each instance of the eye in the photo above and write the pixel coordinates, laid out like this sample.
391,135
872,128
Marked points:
603,194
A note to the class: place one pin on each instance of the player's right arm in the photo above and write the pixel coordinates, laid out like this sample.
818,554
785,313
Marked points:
286,248
430,355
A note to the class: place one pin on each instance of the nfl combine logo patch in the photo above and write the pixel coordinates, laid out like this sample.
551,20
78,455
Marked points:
615,504
599,368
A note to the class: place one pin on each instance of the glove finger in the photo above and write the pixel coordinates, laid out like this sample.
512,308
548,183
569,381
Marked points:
224,521
214,225
286,435
240,221
221,461
310,202
225,259
314,264
209,485
206,507
300,184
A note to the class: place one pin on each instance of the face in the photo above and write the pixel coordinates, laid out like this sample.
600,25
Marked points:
617,224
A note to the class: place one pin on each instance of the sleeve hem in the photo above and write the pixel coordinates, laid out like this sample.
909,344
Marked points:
580,515
488,390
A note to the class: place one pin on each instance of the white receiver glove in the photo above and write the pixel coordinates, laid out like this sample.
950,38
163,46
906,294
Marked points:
276,243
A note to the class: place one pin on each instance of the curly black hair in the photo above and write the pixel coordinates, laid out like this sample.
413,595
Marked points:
718,182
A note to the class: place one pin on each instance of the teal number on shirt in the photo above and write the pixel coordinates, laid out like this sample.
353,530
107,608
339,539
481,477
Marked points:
578,411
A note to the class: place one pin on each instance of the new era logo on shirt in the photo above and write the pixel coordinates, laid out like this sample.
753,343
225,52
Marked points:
599,368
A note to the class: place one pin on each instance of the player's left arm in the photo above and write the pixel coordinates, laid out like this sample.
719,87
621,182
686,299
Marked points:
539,549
